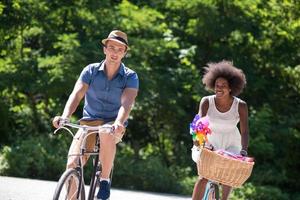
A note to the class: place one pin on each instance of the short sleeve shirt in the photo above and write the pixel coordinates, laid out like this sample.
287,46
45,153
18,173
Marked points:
103,97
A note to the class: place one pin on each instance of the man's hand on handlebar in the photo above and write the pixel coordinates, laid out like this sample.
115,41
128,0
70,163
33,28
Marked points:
118,128
58,121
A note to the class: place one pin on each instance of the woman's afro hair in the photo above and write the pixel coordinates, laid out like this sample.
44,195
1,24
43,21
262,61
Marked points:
225,69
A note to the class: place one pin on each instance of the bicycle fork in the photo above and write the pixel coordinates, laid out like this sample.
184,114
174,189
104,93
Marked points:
81,182
94,179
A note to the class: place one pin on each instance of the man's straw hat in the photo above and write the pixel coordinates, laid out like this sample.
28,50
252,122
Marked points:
117,36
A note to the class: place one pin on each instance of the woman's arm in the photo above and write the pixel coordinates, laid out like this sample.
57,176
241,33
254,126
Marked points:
203,107
244,128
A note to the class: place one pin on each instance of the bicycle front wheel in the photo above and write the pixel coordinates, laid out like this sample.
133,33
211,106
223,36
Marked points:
68,186
211,192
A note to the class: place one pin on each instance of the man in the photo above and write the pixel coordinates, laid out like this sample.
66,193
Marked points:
110,89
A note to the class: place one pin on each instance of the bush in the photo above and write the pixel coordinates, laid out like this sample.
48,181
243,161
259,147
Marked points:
150,173
42,157
249,191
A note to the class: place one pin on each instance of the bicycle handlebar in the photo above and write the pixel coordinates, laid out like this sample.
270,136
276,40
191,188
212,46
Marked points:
89,128
64,124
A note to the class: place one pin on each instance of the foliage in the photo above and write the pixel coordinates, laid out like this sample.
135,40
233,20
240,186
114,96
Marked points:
147,169
259,193
41,156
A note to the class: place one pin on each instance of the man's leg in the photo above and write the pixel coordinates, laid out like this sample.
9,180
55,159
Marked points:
108,151
225,192
107,155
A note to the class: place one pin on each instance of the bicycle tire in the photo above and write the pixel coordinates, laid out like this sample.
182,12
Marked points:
62,185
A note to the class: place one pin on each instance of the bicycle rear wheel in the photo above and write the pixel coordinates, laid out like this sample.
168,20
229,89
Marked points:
64,190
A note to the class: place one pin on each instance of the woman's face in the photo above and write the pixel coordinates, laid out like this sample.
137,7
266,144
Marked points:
222,88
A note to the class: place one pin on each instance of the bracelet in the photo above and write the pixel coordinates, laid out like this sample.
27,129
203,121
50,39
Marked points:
244,152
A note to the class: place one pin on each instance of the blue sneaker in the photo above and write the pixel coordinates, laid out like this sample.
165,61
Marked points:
104,191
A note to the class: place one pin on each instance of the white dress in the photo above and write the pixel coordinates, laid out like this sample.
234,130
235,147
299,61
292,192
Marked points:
224,131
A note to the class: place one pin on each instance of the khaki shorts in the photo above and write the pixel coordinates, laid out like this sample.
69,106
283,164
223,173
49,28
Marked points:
74,151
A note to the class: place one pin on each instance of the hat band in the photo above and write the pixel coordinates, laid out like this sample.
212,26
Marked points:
120,39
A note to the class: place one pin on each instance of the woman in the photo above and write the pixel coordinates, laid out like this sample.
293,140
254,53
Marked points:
224,111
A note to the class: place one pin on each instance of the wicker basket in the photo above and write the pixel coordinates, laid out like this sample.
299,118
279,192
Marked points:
227,171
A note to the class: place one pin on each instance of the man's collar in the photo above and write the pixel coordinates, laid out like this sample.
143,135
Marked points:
121,68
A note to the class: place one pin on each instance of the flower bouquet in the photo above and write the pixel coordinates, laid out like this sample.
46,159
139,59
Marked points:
199,129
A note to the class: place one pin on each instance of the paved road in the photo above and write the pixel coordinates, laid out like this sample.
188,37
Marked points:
29,189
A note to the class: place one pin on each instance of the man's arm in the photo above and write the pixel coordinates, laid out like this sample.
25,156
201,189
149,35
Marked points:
127,101
75,97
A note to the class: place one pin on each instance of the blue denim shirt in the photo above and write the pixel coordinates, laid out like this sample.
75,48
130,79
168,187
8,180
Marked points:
103,97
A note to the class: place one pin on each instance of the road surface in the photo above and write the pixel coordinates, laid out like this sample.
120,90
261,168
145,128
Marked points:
30,189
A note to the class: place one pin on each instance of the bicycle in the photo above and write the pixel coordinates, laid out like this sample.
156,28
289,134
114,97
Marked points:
76,175
211,191
224,168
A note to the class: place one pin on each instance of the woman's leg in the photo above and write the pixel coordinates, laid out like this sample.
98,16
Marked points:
199,189
225,192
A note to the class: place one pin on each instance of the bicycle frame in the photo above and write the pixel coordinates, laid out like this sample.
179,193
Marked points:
87,131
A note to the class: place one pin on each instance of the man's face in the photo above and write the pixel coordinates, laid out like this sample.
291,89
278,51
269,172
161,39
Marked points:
114,51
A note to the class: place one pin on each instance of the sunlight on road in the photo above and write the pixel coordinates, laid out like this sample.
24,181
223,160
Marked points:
25,189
